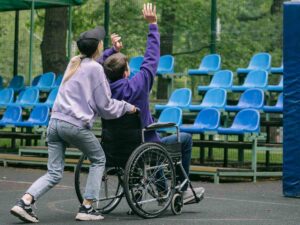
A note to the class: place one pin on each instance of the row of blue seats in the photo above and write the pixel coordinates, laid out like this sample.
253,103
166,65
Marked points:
254,79
217,98
29,97
208,65
246,121
12,116
260,61
208,120
44,82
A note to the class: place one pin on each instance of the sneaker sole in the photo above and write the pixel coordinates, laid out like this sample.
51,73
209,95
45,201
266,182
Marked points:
23,215
87,217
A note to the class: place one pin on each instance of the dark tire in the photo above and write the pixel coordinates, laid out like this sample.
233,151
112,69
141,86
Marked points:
149,180
111,192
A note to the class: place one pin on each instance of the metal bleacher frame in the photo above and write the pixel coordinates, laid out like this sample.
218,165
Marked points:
251,142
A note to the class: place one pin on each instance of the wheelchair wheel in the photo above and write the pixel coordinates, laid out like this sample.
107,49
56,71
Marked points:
111,191
149,180
177,204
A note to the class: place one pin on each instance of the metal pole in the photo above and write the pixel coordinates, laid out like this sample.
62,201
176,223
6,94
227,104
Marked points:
106,23
31,40
16,43
70,34
213,26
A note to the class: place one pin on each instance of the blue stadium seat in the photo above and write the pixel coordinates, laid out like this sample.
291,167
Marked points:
209,64
260,61
277,88
207,120
58,80
51,98
35,80
254,79
179,98
46,82
11,115
170,115
221,79
27,98
251,98
214,98
17,83
278,108
135,65
166,65
245,121
39,116
277,70
6,96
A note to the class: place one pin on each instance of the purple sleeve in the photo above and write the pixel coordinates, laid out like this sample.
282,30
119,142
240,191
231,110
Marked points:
144,78
108,52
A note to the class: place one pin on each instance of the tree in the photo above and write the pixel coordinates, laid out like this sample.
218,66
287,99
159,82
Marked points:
276,6
53,46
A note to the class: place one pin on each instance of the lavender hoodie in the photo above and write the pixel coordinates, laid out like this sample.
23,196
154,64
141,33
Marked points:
85,95
136,90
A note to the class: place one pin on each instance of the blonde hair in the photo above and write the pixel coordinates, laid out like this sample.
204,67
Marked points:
75,63
72,67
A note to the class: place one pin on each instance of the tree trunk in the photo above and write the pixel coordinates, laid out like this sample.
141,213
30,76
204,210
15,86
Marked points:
166,47
276,6
53,46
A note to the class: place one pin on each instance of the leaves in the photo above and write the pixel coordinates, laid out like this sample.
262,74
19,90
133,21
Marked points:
247,27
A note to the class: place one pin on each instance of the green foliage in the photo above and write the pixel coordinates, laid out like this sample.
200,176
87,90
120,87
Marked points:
247,27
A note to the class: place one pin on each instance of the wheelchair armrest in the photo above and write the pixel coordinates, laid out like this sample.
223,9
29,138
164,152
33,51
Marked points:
155,126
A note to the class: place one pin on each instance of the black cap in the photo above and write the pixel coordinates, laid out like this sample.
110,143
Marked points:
88,41
97,33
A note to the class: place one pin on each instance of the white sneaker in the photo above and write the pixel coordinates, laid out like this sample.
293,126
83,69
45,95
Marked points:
88,214
189,196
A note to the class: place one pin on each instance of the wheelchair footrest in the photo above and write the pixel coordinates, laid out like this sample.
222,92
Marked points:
195,200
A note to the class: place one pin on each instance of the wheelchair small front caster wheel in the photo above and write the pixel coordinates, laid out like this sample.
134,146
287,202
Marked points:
177,204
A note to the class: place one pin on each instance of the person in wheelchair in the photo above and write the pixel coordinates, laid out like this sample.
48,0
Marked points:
136,90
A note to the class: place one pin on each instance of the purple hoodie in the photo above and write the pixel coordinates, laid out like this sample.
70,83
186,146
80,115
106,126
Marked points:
136,90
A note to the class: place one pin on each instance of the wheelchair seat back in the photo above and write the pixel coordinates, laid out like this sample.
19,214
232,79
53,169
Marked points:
120,137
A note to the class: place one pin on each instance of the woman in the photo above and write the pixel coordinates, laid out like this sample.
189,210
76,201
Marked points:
83,95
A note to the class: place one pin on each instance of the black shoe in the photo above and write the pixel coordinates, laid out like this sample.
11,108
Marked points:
86,214
24,212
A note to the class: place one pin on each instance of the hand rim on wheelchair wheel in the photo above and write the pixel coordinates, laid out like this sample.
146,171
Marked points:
141,171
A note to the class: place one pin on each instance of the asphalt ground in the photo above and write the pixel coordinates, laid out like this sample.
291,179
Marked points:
241,203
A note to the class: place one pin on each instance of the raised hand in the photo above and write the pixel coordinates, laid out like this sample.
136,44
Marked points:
149,13
116,42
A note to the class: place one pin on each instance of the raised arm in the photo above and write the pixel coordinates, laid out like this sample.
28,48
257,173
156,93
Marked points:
144,78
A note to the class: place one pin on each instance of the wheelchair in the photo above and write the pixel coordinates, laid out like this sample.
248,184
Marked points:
145,173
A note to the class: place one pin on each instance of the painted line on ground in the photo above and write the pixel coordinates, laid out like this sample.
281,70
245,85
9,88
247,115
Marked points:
252,201
25,182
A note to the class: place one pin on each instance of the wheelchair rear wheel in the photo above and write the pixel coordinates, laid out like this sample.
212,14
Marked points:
111,191
149,180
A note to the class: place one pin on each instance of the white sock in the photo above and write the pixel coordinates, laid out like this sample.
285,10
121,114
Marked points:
87,206
26,201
